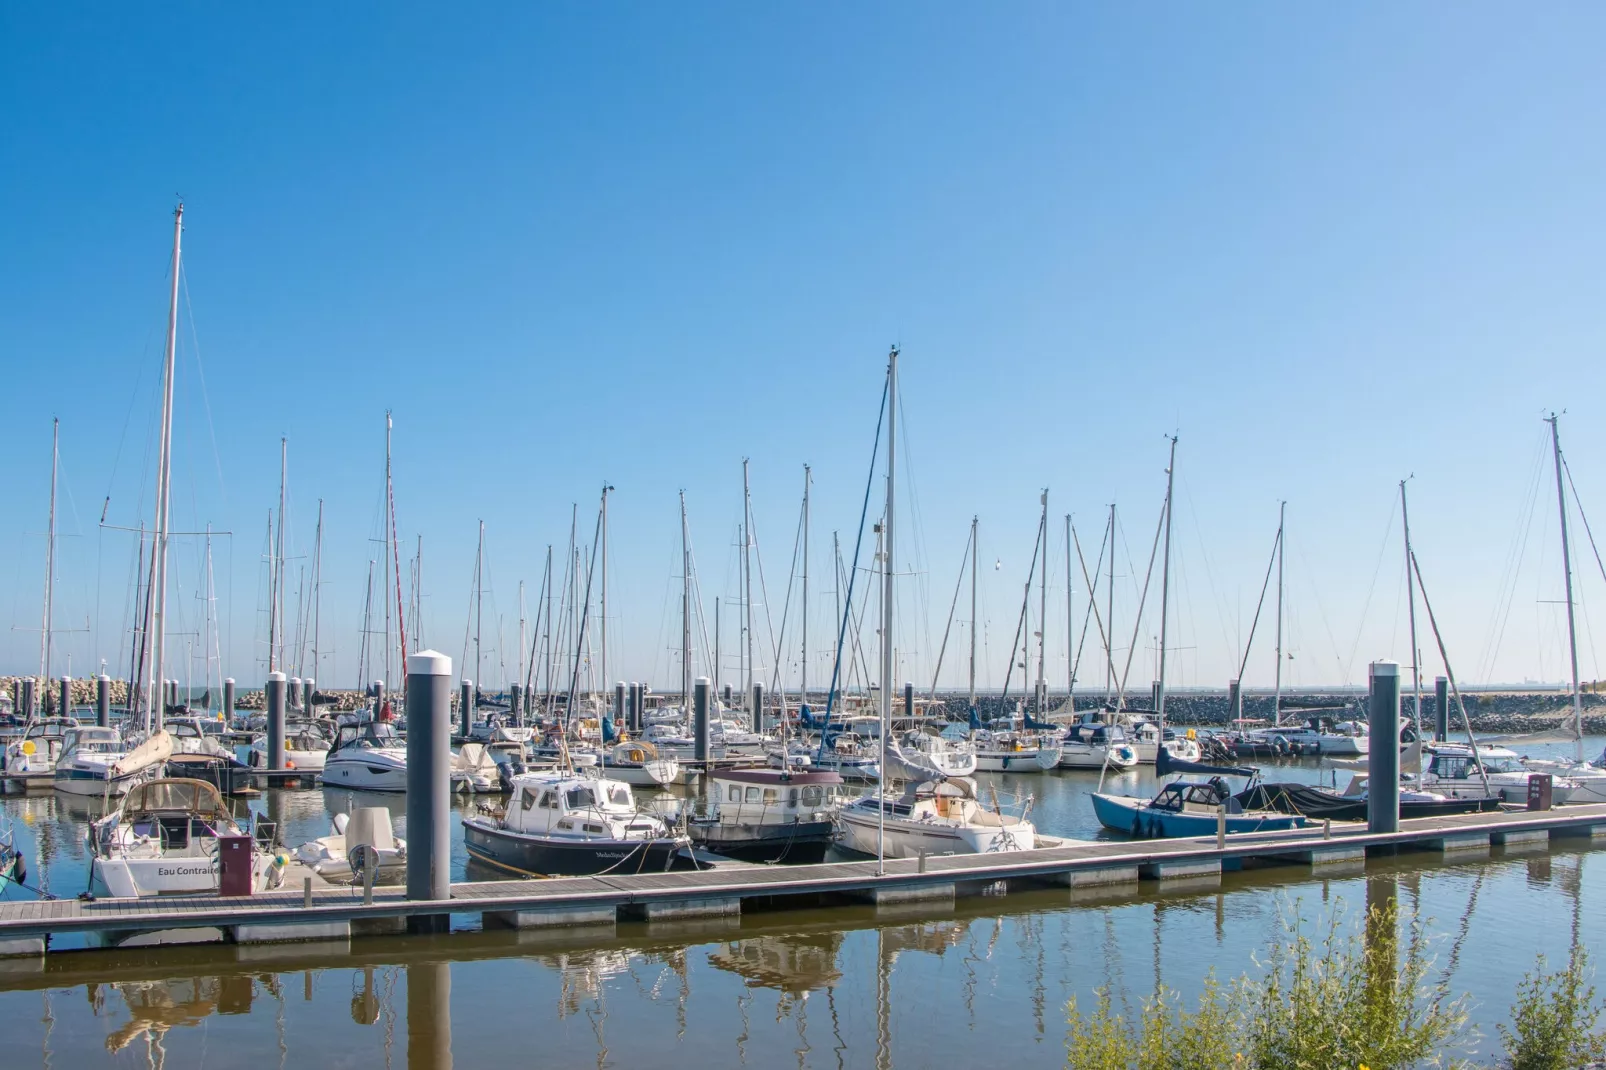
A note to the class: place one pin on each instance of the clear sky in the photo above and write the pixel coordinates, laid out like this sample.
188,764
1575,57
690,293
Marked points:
571,243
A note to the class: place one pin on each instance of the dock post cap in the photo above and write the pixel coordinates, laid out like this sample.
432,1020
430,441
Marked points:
108,679
230,680
1385,668
428,663
618,683
701,681
275,677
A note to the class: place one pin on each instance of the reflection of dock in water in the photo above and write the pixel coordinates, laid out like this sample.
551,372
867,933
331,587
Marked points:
154,1007
794,963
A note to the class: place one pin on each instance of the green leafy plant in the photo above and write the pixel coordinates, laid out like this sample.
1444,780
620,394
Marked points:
1555,1021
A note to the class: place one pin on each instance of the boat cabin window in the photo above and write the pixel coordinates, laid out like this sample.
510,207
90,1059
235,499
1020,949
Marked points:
753,794
791,797
595,828
527,800
580,798
549,800
735,794
812,795
619,795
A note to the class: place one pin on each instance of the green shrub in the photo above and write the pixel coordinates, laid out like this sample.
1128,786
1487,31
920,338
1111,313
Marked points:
1554,1021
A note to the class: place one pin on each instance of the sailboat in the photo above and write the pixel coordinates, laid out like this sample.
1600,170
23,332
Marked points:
945,816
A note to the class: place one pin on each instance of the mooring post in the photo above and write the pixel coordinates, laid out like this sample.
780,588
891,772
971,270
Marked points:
1441,709
103,700
309,688
66,696
379,699
909,700
429,761
620,722
465,707
1221,828
1235,701
293,695
727,696
517,697
633,697
1383,752
758,707
276,696
228,700
700,698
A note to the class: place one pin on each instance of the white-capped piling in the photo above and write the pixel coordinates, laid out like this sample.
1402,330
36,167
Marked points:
908,700
758,707
637,717
379,698
228,700
619,722
518,704
293,698
309,687
103,700
66,696
465,708
429,762
276,696
1235,701
1383,755
700,717
1441,709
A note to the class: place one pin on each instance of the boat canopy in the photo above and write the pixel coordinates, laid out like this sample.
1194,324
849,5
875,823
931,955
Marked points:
1164,763
174,794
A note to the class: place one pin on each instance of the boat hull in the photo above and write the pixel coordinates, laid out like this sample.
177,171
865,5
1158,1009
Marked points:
1025,761
97,782
858,831
545,856
798,842
362,775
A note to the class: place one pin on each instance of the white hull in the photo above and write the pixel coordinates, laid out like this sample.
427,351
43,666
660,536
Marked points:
1081,756
654,774
95,783
128,878
1038,760
859,831
365,773
1184,750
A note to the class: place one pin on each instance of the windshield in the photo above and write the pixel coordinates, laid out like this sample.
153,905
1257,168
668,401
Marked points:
580,798
619,795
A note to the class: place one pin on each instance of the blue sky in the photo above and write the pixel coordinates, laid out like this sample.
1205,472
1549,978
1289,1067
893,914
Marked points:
565,244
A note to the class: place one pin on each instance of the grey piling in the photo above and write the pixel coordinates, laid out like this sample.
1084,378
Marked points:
619,722
633,707
429,1015
379,698
700,696
465,708
758,707
103,700
909,700
1235,700
228,700
1441,709
66,696
429,759
1154,695
1383,755
727,695
309,687
276,695
293,695
518,704
25,701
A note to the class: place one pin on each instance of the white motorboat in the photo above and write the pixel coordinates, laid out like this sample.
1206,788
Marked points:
341,855
97,762
1453,772
370,756
1015,752
1145,739
934,819
306,746
1095,745
165,840
639,765
38,748
568,824
474,770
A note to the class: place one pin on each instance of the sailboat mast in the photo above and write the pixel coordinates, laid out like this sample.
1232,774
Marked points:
1070,627
276,641
887,558
1567,568
1042,615
1109,615
1410,592
45,635
1165,596
602,675
685,606
317,588
1277,692
747,582
973,614
385,573
163,479
803,682
479,607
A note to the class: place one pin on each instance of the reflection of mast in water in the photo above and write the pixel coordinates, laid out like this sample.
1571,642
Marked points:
794,964
883,984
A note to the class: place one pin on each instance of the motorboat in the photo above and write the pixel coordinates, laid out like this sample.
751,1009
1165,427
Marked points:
36,750
769,815
639,765
669,736
732,736
1187,808
371,756
306,746
97,762
1096,745
934,818
1319,804
166,839
13,867
1452,771
568,824
1145,739
1015,752
343,853
474,770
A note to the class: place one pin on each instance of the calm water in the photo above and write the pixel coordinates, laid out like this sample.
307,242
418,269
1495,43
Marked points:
984,980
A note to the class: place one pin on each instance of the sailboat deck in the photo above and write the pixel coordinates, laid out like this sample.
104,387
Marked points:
635,891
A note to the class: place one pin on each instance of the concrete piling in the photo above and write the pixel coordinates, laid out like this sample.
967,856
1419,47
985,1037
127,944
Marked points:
619,722
465,708
700,716
758,707
1383,753
518,704
293,694
103,700
66,696
429,758
277,696
1441,709
228,700
637,717
908,700
726,697
309,687
379,698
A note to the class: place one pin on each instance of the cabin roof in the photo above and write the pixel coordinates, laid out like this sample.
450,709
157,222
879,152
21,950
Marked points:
776,777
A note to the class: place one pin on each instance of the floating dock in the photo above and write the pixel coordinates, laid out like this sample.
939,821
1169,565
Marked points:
326,912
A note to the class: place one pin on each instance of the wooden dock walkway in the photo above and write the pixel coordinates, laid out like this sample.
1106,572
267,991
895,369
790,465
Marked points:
340,912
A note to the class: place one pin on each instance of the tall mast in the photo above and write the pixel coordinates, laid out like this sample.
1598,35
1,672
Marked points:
605,683
276,642
1109,615
747,581
973,614
209,641
317,585
518,671
1070,627
479,607
1277,693
547,629
803,683
1042,614
164,469
887,559
1165,595
685,606
50,556
1567,568
1410,591
385,573
367,630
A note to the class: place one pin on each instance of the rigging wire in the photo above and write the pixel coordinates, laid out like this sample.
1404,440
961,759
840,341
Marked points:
1506,589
